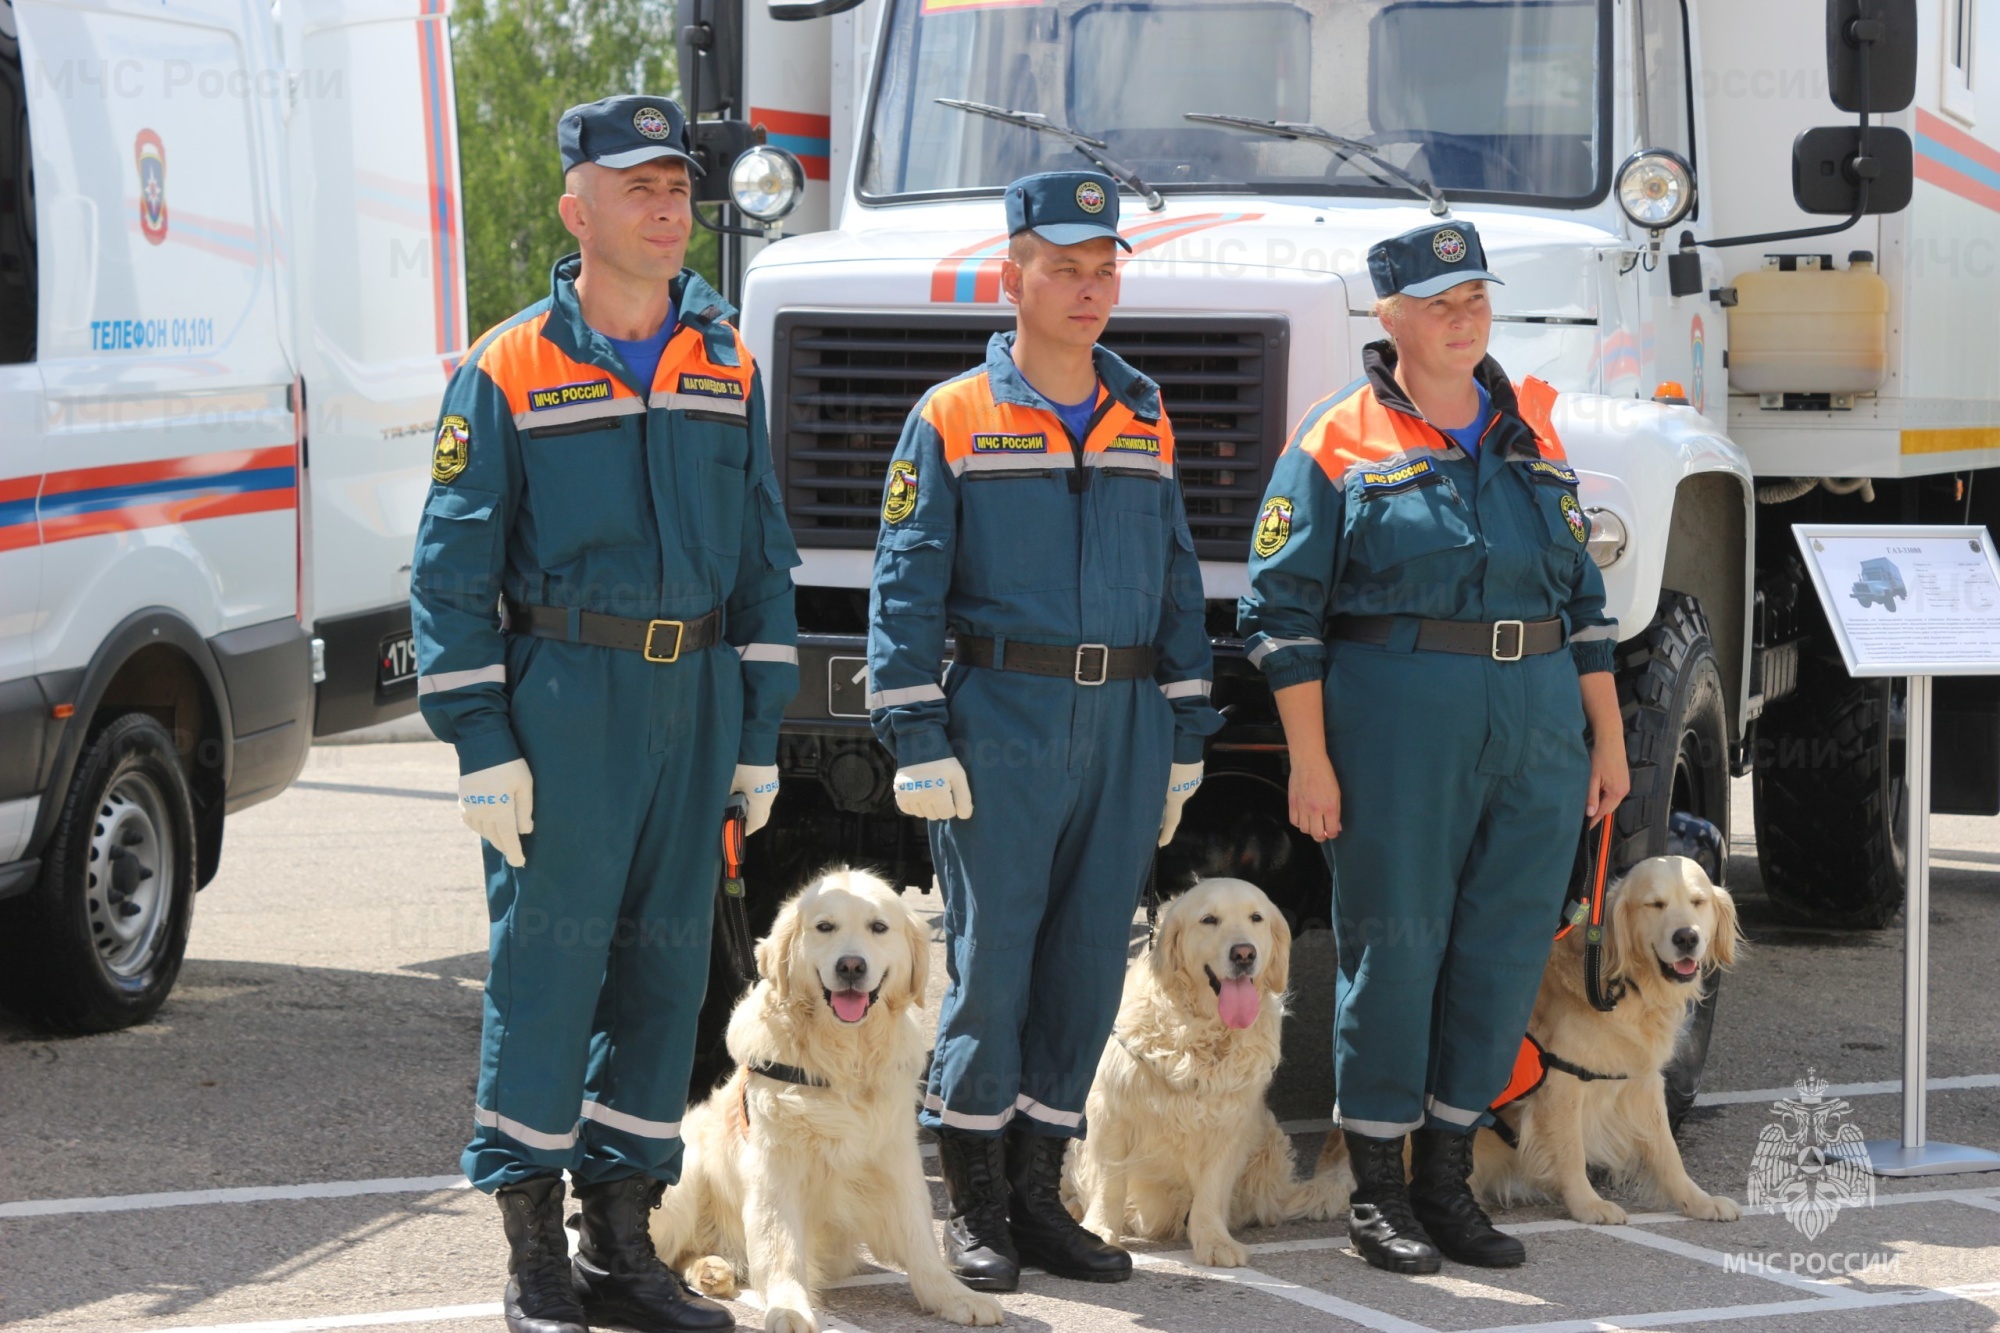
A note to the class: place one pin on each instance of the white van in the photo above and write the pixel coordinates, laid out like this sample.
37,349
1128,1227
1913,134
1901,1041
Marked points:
231,288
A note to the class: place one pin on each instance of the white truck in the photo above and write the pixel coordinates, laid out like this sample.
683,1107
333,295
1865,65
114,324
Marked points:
1613,154
231,289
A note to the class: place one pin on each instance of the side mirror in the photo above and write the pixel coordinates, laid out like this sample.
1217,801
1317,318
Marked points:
716,144
789,10
710,46
1828,170
1871,55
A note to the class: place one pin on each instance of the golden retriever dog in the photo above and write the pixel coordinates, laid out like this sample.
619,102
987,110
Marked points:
810,1149
1180,1138
1670,931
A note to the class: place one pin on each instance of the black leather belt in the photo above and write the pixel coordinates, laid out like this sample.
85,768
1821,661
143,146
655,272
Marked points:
1501,640
661,641
1084,663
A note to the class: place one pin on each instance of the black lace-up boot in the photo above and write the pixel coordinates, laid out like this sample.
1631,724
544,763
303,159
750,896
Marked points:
1384,1230
1044,1232
539,1296
618,1276
977,1244
1444,1203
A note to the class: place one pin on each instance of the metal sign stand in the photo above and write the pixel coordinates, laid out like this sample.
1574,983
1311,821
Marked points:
1912,1156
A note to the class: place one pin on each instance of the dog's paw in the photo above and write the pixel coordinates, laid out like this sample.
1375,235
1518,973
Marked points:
1712,1208
966,1306
779,1319
1597,1212
1221,1252
1101,1229
713,1276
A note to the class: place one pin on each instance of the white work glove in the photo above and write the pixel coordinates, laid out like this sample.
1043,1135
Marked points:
757,784
498,804
937,790
1182,779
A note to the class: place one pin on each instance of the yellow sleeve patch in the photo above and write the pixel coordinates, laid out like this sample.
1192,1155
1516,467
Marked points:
453,449
899,499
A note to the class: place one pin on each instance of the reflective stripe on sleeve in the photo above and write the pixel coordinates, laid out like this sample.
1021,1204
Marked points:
514,1129
1187,689
630,1124
768,652
915,694
1271,645
1591,632
458,680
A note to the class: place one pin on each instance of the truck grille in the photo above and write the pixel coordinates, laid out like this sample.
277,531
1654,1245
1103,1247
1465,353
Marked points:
843,382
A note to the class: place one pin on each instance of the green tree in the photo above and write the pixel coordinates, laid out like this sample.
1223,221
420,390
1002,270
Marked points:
519,64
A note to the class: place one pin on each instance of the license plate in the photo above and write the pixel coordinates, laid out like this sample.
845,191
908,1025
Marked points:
847,686
397,664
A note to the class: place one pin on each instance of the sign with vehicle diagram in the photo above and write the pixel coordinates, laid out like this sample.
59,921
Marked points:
1907,601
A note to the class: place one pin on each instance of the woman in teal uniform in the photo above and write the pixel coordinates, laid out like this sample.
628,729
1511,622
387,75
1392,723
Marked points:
1427,615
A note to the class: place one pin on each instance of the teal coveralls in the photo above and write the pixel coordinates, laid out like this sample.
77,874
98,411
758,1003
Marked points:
1462,778
559,482
987,530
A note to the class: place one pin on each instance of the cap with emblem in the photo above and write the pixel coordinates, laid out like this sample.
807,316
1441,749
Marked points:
1065,207
620,132
1428,260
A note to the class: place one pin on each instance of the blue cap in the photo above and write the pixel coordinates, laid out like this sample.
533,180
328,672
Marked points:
1065,207
620,132
1428,260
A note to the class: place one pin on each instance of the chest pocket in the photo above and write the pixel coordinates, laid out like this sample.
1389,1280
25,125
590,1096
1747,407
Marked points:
1018,532
586,488
1392,528
712,451
1134,535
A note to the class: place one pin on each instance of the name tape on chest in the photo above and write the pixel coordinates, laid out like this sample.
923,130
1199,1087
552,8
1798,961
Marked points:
710,386
1397,477
1543,469
563,395
1148,445
998,443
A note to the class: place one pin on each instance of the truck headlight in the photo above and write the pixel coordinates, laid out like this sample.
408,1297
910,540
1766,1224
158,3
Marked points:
1655,188
1607,537
766,183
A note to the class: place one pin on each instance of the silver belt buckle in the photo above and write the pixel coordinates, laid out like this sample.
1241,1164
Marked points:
1520,629
1103,652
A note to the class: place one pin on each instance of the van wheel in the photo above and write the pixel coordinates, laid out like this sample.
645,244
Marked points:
98,943
1830,799
1677,740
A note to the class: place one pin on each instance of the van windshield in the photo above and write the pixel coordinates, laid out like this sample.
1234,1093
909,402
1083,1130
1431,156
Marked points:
1504,99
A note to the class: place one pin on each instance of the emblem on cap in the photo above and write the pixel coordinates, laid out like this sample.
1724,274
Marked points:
1090,197
652,122
1449,246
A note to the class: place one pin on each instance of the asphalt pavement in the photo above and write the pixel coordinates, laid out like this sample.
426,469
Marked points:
277,1152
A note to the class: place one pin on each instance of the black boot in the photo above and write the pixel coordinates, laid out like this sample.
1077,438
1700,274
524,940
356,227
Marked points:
1444,1203
539,1297
619,1277
977,1245
1379,1221
1044,1232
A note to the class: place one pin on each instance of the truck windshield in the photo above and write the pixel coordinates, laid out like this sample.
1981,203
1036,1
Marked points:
1503,99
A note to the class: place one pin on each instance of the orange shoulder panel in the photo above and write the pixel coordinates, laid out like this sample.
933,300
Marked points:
1537,401
521,361
1359,430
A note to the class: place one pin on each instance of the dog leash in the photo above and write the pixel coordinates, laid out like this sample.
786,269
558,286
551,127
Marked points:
1603,998
731,910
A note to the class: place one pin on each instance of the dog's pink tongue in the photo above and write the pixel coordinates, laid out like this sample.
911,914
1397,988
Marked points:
1237,1002
850,1006
1686,966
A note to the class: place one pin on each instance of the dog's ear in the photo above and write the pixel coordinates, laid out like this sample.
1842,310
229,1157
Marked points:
1278,969
1167,957
1728,934
1618,941
918,937
776,951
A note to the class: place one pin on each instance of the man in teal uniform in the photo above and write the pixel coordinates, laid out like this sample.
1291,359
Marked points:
601,467
1033,509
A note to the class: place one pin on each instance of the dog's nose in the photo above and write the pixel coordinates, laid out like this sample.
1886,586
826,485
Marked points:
1687,939
1243,956
851,970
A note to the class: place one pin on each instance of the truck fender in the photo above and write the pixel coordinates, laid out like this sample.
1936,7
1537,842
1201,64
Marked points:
1686,496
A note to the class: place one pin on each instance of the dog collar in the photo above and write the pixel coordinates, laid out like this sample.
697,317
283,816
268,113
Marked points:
786,1073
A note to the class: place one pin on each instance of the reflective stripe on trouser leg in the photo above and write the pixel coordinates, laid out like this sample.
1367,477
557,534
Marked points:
1410,802
1510,893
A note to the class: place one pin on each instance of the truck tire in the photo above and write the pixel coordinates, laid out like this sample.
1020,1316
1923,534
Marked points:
1830,800
1677,740
97,944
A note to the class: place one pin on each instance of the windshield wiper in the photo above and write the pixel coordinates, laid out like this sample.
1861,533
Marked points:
1347,149
1083,143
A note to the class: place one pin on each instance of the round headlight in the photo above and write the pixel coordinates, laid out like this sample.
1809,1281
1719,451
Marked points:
1655,188
766,183
1607,537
